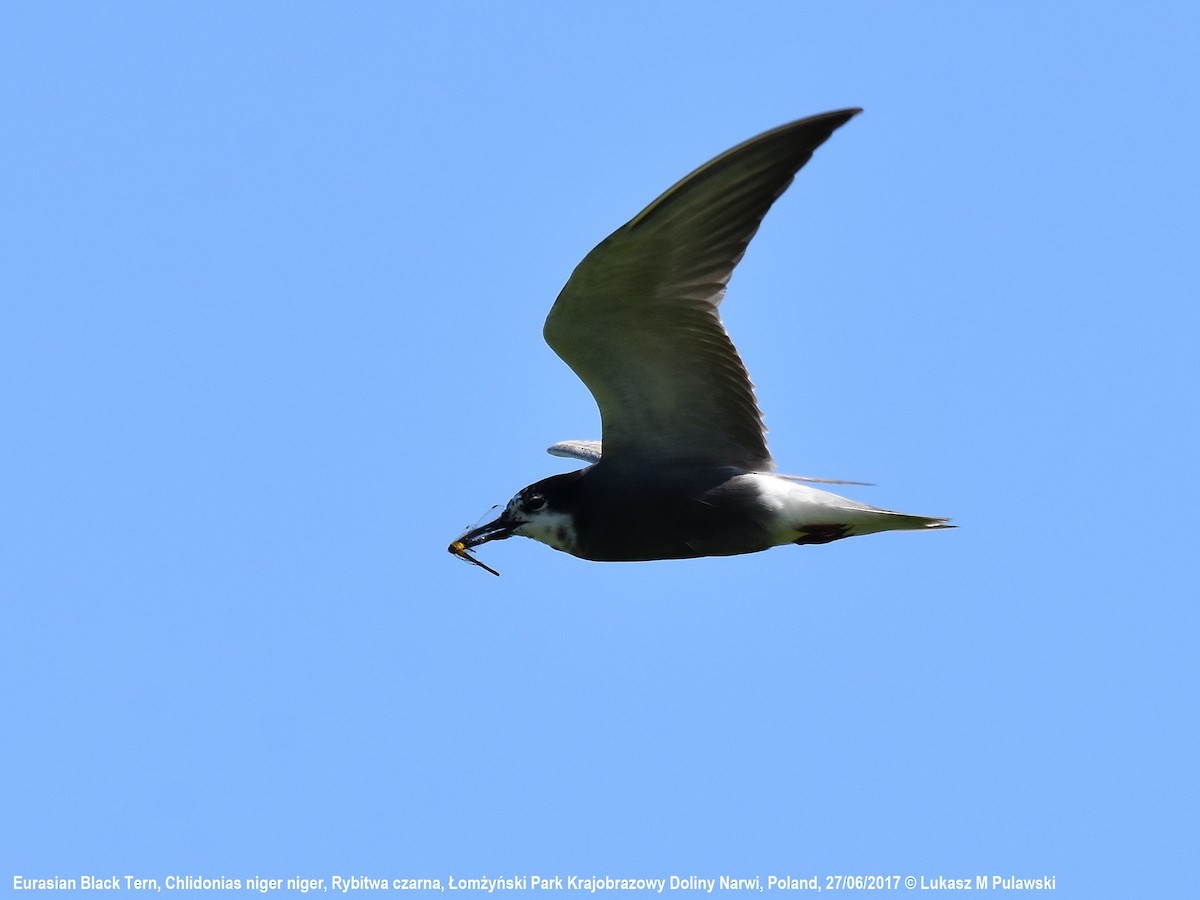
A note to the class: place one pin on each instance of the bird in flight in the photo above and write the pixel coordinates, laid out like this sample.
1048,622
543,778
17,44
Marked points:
683,468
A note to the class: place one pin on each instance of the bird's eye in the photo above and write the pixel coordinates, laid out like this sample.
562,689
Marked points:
534,502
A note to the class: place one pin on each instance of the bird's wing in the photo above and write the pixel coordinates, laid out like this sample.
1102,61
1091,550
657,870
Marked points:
809,479
588,451
638,323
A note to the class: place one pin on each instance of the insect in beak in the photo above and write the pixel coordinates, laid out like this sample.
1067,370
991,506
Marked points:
459,549
497,530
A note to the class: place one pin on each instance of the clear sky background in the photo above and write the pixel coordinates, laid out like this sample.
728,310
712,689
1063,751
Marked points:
271,299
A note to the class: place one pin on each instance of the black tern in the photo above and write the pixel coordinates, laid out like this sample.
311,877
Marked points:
683,469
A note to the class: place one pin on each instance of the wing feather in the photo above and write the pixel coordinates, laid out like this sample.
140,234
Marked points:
637,321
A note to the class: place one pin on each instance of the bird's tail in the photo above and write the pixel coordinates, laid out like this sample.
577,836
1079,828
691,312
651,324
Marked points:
853,521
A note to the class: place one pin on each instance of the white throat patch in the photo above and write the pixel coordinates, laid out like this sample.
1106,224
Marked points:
555,529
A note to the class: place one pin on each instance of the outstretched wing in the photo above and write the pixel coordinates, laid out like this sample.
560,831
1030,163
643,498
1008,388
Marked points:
590,452
638,322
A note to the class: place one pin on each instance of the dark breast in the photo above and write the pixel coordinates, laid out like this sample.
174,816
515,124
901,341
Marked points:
625,514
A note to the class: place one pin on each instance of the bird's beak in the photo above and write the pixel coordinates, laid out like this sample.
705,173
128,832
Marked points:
496,530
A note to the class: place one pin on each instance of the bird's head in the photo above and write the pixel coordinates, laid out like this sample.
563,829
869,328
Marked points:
540,511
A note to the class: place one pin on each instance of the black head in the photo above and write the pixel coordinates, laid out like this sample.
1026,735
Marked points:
542,511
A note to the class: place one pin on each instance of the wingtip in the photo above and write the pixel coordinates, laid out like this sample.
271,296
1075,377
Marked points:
845,115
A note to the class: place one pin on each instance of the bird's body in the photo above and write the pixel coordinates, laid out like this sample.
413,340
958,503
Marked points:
685,512
683,469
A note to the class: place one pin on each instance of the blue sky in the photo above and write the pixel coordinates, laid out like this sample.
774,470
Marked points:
273,284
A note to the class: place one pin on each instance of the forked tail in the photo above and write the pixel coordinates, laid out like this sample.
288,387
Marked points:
856,522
